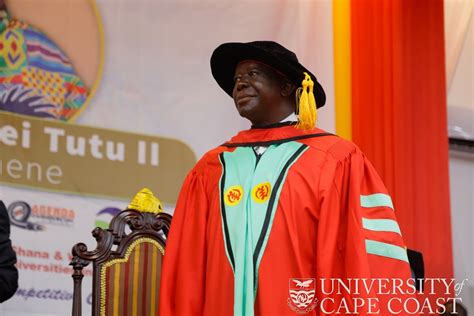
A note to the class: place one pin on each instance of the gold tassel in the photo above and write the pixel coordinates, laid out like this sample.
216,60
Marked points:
306,104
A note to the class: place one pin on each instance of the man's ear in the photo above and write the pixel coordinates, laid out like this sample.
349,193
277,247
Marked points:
287,89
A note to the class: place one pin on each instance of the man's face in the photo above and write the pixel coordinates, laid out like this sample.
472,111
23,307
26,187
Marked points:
257,93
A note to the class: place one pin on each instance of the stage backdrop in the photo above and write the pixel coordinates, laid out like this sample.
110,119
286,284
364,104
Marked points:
101,98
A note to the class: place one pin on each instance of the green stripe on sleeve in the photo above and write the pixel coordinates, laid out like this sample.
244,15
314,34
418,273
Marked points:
376,200
381,225
386,250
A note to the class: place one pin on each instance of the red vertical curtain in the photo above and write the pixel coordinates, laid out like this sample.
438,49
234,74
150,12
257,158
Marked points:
399,116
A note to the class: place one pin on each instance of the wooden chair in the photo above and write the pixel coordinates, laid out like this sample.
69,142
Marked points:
126,263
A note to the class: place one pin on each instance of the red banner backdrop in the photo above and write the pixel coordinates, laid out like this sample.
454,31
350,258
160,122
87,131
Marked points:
399,116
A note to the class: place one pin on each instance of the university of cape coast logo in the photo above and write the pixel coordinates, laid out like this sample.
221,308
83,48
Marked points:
261,192
302,298
233,195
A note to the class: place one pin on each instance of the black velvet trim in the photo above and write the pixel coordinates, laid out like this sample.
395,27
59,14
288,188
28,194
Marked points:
278,141
289,123
224,218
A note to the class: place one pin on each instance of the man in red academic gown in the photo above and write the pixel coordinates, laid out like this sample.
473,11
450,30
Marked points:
277,219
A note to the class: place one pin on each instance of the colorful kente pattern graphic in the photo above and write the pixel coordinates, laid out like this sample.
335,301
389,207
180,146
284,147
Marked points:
36,77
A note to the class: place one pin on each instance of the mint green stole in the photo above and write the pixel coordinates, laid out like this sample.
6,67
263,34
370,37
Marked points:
249,193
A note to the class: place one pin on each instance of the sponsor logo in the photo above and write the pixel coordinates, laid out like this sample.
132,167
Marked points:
36,217
105,215
261,192
233,195
302,294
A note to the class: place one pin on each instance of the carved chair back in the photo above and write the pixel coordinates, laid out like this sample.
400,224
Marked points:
126,263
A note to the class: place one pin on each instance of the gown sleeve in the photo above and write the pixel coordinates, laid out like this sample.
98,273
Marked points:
359,238
183,275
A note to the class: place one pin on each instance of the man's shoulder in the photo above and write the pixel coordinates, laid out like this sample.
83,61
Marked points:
333,146
209,160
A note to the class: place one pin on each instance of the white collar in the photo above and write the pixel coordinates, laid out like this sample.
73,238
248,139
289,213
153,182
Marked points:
290,118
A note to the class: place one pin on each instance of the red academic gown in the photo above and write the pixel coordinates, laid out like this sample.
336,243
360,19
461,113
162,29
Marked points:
333,219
